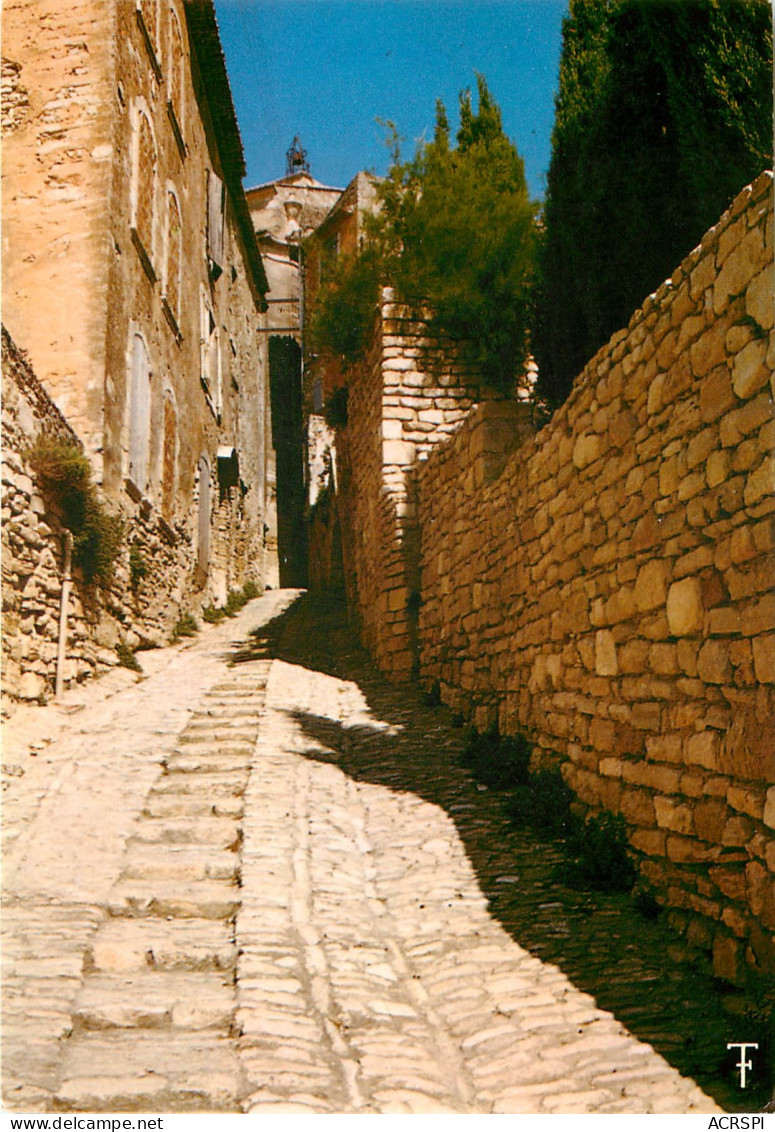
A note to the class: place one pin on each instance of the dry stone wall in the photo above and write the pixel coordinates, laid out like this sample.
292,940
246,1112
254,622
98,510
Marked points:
33,561
609,589
411,393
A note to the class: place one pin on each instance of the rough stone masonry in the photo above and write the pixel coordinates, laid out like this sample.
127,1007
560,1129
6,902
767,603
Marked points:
605,586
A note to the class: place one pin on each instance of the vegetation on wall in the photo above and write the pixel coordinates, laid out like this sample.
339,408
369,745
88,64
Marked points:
65,476
454,232
664,112
335,408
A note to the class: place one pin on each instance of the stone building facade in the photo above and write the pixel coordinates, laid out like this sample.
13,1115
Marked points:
603,585
284,213
133,282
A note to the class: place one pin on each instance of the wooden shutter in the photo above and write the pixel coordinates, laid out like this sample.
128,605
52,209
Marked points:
215,203
139,414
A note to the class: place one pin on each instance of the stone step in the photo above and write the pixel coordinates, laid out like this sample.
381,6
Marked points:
201,900
220,784
248,688
253,689
148,861
150,1071
208,760
192,805
247,716
167,945
218,833
152,998
217,734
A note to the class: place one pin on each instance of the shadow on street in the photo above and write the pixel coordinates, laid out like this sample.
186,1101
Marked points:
628,963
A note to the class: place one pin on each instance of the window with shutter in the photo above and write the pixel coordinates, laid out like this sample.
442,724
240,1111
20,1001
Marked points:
174,258
176,86
142,193
148,19
139,414
210,359
203,523
215,211
169,459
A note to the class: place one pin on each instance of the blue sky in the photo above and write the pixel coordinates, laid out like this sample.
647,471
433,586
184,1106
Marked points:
328,69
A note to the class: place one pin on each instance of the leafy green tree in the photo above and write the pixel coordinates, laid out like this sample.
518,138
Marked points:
664,112
455,233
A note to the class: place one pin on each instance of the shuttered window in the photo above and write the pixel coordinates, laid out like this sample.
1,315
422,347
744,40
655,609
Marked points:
203,524
169,459
174,256
139,414
215,209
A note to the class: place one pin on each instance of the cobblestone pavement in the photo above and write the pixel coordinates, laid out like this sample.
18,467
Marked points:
268,887
120,841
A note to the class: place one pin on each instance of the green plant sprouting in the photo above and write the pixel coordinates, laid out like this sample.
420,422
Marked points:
454,236
65,476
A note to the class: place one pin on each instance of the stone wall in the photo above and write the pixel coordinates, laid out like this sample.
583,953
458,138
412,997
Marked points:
59,102
410,394
33,561
119,142
609,591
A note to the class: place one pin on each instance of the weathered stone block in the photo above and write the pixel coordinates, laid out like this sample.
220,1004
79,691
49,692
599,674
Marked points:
651,585
31,686
649,841
749,373
747,800
709,351
717,467
759,617
664,748
633,656
657,776
769,808
728,959
605,654
693,562
669,476
760,482
398,452
673,815
713,664
710,817
663,659
764,658
620,607
747,454
724,621
758,299
588,448
700,447
647,717
687,850
637,807
747,419
702,749
685,613
716,394
702,276
737,831
602,733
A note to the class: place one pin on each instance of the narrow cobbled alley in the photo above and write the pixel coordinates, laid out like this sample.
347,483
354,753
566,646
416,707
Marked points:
259,879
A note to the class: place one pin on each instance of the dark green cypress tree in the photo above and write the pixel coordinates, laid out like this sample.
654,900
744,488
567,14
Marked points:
664,112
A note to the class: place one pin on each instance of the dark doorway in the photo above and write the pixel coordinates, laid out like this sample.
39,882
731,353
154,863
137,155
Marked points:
287,438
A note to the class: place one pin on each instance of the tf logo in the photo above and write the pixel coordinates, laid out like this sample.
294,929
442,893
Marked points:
743,1065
